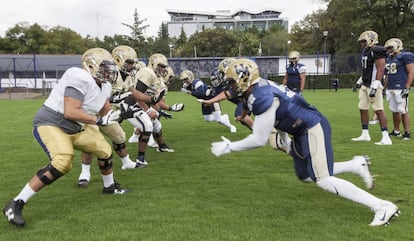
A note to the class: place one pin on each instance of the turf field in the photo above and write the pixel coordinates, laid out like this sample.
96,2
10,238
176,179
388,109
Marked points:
193,195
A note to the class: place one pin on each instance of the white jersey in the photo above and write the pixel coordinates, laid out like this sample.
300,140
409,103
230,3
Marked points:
81,80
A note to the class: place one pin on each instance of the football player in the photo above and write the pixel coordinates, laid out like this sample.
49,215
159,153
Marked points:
198,89
66,121
124,96
150,80
373,69
151,142
400,75
295,76
222,92
276,106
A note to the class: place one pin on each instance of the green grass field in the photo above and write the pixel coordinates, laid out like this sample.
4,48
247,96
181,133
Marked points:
193,195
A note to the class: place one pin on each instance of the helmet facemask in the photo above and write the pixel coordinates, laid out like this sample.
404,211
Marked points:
107,72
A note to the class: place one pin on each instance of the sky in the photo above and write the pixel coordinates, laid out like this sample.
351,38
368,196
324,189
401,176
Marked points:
98,18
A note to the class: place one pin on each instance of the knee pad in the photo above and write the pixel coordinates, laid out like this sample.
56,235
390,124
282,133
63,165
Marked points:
119,147
144,137
105,164
53,171
157,134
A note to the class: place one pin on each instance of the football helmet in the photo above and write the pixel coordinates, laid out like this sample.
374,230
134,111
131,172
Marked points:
224,64
140,64
370,36
158,62
241,74
187,77
216,77
294,56
125,58
395,45
169,76
99,63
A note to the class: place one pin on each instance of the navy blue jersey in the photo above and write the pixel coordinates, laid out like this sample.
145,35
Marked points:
396,70
198,89
294,114
293,75
369,55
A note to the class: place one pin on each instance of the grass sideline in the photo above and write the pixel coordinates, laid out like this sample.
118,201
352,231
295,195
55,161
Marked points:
192,195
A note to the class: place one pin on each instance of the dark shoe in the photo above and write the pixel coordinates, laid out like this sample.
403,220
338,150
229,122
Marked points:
13,212
395,134
164,148
115,188
141,162
407,136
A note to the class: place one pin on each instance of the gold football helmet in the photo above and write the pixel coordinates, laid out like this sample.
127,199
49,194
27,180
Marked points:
187,77
99,63
158,62
140,64
370,36
170,74
394,45
241,74
224,64
294,56
125,58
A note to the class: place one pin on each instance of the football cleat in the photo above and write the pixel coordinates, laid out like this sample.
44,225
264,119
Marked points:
164,148
152,142
373,122
83,180
141,162
134,138
407,136
361,165
362,138
83,183
384,214
115,188
395,134
13,212
384,142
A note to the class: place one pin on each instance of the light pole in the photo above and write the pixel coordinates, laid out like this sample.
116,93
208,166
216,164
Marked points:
287,51
171,46
325,36
146,49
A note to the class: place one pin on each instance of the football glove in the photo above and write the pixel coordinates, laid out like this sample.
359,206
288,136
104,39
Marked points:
355,87
165,114
118,97
177,107
405,92
158,96
185,91
111,117
221,147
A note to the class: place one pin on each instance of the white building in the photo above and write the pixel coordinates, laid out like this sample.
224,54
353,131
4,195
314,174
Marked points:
193,21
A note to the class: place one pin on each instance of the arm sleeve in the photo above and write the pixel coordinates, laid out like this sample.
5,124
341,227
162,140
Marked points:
262,127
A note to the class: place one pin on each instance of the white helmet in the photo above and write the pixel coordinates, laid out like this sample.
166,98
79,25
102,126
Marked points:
99,63
395,45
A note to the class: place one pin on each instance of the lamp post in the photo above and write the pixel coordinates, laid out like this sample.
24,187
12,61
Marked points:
287,51
171,46
325,36
146,49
